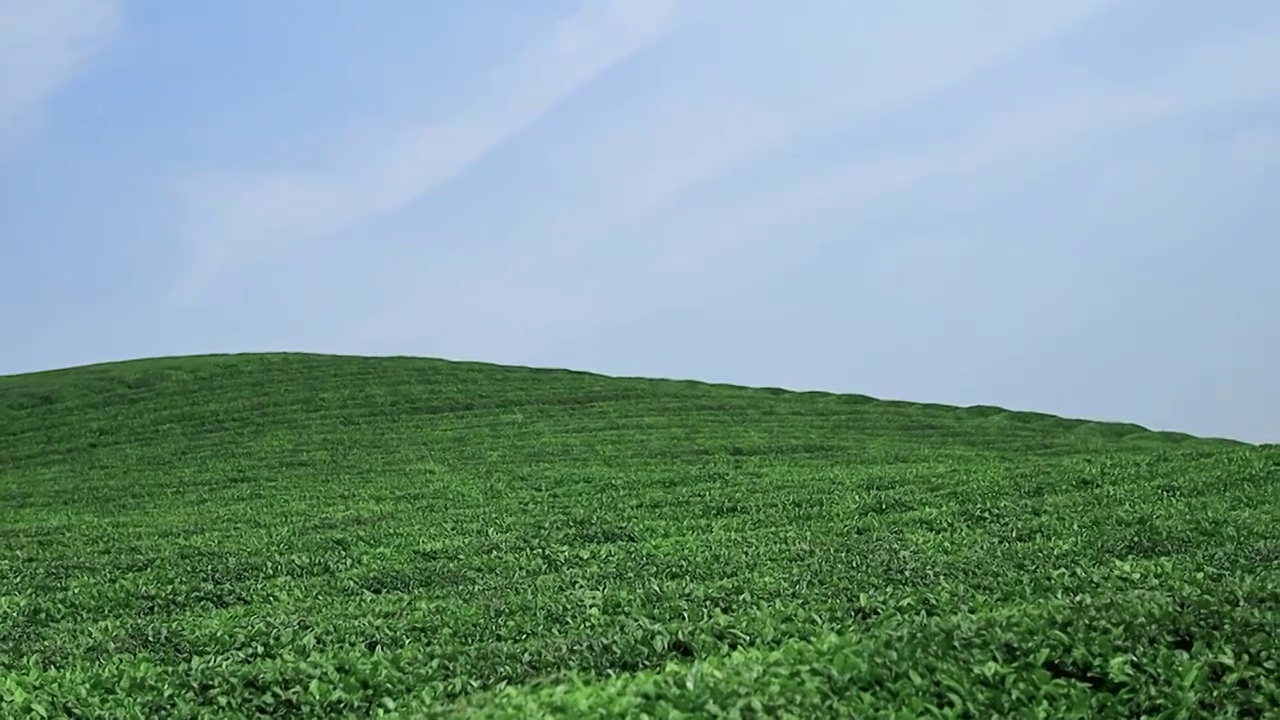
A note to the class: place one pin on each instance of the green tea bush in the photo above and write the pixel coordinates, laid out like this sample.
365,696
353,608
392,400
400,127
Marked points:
314,536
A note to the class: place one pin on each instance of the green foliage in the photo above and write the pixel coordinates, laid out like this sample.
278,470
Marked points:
312,536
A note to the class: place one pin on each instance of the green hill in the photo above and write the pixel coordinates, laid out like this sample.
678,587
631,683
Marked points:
317,536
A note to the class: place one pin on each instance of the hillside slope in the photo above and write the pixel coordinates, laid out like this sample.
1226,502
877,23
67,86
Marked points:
320,536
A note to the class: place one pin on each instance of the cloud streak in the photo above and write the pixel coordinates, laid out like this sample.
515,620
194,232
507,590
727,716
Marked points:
240,218
643,175
727,109
43,46
1211,76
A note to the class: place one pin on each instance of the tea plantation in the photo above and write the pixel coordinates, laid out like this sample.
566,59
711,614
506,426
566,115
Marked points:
304,536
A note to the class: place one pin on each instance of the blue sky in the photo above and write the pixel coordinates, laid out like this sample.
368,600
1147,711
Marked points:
1070,206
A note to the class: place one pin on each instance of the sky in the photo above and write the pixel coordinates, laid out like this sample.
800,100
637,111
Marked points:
1067,206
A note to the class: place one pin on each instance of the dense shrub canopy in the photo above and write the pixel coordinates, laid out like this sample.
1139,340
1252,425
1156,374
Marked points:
315,536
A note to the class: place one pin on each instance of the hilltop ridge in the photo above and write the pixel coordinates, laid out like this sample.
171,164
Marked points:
433,386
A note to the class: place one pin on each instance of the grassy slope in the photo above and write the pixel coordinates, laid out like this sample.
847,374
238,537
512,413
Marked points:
309,535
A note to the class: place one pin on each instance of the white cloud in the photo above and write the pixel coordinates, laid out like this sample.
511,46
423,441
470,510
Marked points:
688,245
774,85
43,45
766,83
769,86
1209,77
240,218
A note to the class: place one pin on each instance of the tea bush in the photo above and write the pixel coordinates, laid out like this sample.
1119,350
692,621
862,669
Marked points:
317,536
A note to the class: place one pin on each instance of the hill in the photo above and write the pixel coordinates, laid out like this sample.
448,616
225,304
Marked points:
320,536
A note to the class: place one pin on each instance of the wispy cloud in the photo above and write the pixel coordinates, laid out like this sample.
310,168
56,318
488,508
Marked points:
751,99
723,108
1018,132
239,218
769,89
636,171
43,45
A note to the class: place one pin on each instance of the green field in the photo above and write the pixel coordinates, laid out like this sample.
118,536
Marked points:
318,536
